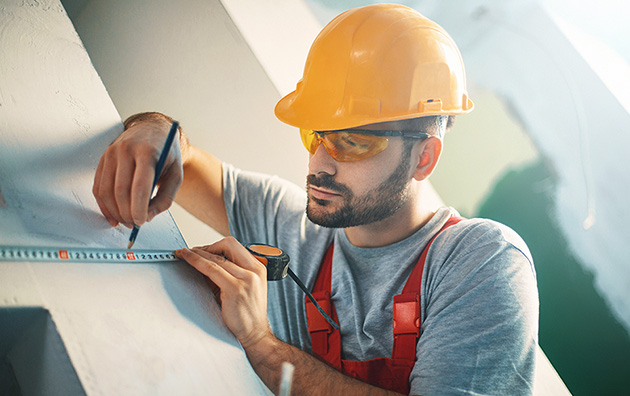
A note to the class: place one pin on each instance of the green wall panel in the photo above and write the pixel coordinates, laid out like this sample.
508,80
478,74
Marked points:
588,347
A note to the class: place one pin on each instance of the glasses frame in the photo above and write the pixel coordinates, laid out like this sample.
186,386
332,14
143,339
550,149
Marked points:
415,135
320,137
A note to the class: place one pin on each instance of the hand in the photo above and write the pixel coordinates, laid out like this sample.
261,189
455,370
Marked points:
124,176
243,283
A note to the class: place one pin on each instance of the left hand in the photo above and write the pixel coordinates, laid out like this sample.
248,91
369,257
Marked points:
243,283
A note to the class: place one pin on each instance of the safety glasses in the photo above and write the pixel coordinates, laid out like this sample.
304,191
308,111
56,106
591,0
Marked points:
347,145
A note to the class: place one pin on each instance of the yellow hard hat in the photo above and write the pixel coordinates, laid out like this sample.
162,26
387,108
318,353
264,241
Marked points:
377,63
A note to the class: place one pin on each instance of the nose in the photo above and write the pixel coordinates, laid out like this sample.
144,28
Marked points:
321,162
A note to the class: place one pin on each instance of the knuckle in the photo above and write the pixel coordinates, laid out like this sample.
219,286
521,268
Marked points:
261,270
145,152
218,259
240,290
231,241
110,154
249,277
163,204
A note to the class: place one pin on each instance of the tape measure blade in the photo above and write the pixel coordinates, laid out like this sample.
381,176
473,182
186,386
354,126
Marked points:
83,255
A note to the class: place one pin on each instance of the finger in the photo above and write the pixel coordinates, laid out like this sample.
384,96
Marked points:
122,189
141,191
233,268
108,216
232,249
97,196
106,187
216,291
212,270
169,183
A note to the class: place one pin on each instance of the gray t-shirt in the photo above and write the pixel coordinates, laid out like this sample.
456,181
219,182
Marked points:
479,301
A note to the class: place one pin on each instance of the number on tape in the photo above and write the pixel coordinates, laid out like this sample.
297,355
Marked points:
89,255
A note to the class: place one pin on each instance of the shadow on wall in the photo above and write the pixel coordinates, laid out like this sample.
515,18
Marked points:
588,347
33,358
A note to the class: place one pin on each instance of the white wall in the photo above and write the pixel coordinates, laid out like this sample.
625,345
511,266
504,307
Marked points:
576,122
189,60
127,329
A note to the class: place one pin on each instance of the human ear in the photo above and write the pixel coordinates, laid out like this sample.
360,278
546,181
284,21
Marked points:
427,155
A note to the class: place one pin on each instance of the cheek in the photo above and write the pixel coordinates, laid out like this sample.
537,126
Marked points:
364,176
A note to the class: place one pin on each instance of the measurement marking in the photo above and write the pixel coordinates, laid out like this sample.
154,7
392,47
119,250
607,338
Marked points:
84,255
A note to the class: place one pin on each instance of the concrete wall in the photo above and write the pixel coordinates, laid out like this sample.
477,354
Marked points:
189,60
75,328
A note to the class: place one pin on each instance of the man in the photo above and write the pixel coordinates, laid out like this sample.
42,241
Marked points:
427,303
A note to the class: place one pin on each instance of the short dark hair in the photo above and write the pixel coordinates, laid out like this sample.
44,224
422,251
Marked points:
429,124
433,125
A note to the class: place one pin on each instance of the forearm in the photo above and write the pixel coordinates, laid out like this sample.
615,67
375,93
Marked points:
201,193
311,376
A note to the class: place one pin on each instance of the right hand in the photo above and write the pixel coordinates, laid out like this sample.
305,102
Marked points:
124,176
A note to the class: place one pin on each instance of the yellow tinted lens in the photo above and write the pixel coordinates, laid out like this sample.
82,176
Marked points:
349,146
309,139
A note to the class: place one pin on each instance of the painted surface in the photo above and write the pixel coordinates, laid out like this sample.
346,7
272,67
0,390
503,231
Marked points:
127,329
281,40
567,110
580,129
36,361
590,348
189,59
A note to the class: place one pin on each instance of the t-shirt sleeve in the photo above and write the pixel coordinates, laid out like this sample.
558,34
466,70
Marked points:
259,205
479,329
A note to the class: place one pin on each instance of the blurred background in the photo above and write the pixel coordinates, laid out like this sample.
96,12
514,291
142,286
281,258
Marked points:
544,151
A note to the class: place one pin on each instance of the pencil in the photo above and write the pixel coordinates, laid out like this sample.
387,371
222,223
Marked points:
158,171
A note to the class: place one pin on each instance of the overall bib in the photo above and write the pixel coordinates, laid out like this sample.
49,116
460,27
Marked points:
387,373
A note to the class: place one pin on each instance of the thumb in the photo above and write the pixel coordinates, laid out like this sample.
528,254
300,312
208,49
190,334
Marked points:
168,186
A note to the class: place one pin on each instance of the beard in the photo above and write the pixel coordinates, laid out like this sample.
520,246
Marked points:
377,204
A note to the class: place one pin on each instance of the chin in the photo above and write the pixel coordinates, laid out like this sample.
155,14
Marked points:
316,211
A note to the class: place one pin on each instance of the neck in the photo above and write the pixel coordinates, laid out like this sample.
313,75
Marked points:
402,224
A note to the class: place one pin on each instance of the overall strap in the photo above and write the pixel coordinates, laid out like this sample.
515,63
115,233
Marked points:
326,342
406,306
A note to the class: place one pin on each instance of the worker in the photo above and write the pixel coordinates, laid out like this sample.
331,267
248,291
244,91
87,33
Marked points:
427,303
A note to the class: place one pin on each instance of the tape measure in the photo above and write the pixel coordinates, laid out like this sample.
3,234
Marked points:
84,255
276,260
277,263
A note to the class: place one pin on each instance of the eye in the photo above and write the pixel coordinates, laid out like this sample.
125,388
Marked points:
355,140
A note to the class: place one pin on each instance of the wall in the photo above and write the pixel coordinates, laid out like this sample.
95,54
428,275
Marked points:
544,151
189,60
553,127
75,328
125,38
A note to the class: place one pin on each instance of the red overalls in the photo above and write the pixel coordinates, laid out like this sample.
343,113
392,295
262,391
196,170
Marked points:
391,374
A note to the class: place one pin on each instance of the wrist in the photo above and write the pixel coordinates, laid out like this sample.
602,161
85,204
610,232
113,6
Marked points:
261,349
154,120
162,121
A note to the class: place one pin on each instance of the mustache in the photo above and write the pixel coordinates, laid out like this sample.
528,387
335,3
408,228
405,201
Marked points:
326,181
